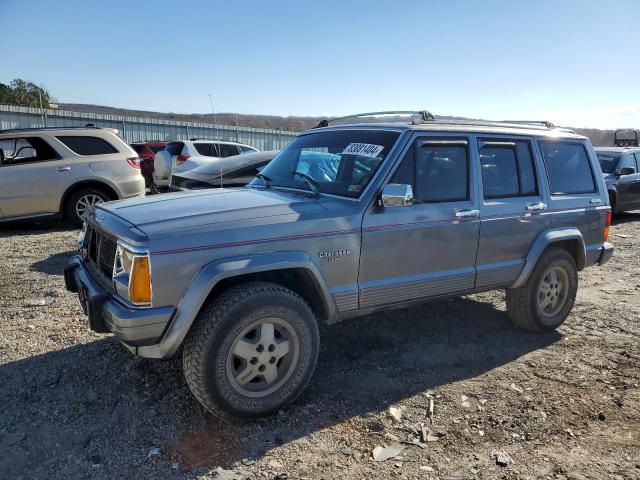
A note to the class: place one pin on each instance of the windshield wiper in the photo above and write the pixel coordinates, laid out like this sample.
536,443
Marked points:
267,180
313,185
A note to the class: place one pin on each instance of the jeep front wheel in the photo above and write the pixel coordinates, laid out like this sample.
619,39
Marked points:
251,351
546,299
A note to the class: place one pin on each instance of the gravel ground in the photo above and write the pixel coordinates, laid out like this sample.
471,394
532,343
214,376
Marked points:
565,405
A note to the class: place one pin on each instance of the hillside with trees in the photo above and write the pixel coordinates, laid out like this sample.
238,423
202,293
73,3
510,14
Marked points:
24,93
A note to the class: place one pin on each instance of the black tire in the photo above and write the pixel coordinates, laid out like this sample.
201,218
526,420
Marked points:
523,303
208,349
612,202
70,210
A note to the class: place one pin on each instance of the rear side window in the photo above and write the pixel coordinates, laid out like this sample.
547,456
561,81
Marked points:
244,149
507,168
85,145
227,150
174,148
568,168
206,149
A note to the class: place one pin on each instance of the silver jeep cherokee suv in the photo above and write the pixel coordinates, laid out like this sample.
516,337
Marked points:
346,220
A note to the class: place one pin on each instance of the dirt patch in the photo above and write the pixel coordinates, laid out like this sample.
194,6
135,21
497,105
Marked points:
562,405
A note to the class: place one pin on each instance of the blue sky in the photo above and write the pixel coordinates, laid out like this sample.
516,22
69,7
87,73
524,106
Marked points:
573,62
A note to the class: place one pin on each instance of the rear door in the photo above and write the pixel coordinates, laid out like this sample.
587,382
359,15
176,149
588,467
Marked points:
429,248
511,208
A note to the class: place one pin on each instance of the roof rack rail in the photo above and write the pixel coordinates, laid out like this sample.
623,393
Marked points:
425,116
546,123
11,130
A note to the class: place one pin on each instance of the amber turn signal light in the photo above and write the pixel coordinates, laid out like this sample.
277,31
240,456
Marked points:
140,281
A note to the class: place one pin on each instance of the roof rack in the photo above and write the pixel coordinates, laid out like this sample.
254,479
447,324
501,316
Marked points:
12,130
425,116
546,123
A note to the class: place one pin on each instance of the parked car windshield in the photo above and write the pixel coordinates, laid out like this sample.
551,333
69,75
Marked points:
338,162
608,161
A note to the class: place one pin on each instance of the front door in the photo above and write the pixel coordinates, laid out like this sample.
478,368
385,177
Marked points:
428,248
32,177
628,185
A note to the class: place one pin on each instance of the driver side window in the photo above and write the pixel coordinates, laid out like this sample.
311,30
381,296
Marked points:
26,150
438,171
628,162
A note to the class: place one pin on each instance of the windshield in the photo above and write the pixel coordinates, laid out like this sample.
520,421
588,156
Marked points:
608,161
338,162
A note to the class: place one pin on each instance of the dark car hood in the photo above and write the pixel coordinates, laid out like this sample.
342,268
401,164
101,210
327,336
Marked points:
185,210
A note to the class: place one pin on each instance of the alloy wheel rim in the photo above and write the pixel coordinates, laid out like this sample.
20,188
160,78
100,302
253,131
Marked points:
262,357
85,202
553,291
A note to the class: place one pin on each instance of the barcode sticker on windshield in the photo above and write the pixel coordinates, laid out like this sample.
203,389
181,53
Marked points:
363,149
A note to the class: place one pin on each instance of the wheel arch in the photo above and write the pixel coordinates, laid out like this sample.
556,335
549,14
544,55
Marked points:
297,271
569,239
113,192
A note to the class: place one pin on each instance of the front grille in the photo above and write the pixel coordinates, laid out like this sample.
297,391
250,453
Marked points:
101,251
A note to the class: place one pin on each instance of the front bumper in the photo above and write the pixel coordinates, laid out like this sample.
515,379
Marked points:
135,327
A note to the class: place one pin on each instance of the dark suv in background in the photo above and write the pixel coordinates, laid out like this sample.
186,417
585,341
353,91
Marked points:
621,169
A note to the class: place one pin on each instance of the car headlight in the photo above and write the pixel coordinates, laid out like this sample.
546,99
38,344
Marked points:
132,275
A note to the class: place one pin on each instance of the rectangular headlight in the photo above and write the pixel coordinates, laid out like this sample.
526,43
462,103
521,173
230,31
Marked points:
132,275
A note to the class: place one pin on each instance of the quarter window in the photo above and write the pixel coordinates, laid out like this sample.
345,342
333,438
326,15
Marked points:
507,168
438,171
568,168
86,145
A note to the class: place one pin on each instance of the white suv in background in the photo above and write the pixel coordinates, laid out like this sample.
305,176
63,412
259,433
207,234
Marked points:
190,154
64,171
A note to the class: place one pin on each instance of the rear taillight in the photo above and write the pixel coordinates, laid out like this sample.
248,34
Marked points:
134,162
607,224
181,159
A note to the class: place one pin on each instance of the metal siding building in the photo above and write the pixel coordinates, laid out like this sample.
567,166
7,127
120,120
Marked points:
137,128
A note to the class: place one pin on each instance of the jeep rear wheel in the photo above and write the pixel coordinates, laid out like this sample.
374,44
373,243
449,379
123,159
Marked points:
546,299
251,351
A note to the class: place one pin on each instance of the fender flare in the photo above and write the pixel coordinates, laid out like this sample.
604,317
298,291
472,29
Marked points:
542,241
211,274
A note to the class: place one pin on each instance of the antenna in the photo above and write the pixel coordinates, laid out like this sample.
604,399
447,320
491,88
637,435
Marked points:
215,130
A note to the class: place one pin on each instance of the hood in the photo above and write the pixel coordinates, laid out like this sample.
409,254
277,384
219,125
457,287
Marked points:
184,210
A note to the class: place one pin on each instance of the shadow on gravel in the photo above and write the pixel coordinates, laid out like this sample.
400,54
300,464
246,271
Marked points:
95,404
625,217
34,227
54,264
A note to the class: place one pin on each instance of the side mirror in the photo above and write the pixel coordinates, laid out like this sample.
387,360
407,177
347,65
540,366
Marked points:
627,171
397,195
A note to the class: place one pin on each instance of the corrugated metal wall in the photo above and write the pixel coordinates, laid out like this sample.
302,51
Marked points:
135,128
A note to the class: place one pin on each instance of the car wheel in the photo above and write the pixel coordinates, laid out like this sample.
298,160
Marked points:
543,303
81,201
251,351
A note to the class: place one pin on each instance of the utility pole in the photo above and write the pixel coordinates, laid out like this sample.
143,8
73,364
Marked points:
42,112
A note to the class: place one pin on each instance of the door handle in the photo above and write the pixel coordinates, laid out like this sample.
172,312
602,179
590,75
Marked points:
536,206
463,213
63,169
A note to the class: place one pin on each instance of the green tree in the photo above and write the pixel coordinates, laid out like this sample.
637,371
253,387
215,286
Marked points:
23,93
